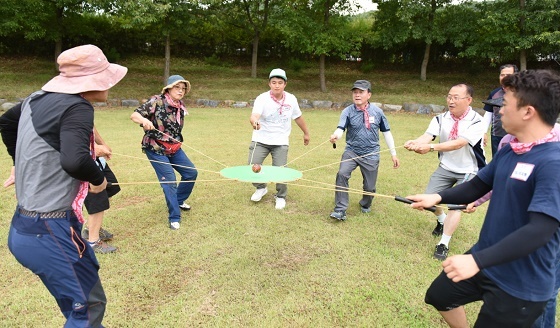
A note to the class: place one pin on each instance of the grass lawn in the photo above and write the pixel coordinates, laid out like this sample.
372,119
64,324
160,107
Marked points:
21,76
235,263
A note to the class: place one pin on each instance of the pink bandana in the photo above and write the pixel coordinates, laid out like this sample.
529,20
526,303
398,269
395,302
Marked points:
521,148
78,202
455,129
278,102
366,114
177,104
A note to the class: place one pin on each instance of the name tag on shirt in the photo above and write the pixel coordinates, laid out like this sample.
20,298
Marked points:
372,119
522,171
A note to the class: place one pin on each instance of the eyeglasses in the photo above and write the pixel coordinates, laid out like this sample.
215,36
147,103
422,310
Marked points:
455,98
179,88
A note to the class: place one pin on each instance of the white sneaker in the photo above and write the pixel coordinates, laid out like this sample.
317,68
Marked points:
185,207
258,195
280,203
174,225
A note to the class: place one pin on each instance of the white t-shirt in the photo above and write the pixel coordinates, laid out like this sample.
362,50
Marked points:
276,118
462,160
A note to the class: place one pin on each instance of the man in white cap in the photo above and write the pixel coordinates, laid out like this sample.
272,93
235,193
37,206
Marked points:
271,120
50,138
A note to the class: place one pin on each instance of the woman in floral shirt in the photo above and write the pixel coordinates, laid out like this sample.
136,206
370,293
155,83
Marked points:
162,118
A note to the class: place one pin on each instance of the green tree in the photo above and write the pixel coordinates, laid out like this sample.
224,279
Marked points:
507,30
398,22
52,20
320,28
167,18
251,16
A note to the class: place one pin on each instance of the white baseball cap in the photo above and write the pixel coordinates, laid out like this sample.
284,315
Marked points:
278,72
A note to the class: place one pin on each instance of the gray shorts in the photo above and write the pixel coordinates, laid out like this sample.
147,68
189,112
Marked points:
442,179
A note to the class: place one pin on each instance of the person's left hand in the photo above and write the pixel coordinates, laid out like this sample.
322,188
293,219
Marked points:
103,151
396,162
460,267
306,139
11,179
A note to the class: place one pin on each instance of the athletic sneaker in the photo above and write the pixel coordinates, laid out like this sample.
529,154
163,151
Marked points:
185,207
441,252
174,225
438,230
259,193
104,235
280,203
339,215
365,209
102,247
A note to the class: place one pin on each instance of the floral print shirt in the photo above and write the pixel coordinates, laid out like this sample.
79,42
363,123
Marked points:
164,118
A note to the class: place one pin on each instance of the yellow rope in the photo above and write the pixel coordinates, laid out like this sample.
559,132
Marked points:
293,160
350,159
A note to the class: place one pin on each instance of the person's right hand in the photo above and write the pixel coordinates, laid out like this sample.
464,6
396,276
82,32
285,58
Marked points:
333,138
422,201
147,125
11,179
471,208
410,145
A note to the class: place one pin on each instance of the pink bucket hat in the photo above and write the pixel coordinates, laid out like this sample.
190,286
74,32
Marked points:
84,68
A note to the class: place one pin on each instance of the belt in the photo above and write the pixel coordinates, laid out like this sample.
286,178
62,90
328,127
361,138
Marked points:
47,215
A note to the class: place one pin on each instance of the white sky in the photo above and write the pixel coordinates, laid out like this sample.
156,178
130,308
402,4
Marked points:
366,5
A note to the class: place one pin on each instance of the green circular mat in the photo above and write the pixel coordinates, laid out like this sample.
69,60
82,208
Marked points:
267,174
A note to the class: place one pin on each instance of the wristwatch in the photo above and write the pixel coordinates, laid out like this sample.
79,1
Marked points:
431,147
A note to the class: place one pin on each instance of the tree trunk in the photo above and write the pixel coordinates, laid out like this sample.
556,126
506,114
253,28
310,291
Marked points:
255,54
57,52
522,52
425,62
167,58
322,73
522,59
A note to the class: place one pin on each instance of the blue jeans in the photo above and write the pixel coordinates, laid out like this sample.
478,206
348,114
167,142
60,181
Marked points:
54,250
546,320
164,165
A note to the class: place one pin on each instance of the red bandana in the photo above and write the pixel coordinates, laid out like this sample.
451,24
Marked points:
521,148
455,129
84,185
177,104
366,114
278,102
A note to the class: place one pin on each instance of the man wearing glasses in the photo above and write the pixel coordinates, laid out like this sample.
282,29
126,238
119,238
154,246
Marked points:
460,153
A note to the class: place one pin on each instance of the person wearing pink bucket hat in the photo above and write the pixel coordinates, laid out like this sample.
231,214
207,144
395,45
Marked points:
50,138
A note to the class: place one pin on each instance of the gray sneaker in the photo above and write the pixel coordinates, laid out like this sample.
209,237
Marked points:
104,235
102,247
339,215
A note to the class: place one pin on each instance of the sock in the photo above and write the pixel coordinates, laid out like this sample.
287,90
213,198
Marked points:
441,218
92,243
445,240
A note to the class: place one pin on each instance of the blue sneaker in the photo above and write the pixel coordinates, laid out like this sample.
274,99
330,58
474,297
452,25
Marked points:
365,209
339,215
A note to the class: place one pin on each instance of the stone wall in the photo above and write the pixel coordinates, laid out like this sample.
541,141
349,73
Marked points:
303,103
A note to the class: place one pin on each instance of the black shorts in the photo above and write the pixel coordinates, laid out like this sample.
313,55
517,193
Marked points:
99,202
499,309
